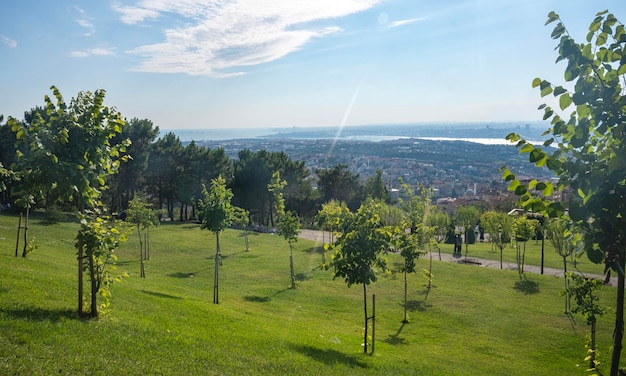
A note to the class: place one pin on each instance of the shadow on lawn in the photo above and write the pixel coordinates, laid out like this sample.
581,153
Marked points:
329,357
314,250
262,299
185,275
395,339
41,314
161,295
526,286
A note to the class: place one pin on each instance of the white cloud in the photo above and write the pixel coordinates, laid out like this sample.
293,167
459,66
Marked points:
83,22
8,41
405,22
98,51
221,35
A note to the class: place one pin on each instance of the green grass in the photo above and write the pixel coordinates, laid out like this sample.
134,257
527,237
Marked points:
475,321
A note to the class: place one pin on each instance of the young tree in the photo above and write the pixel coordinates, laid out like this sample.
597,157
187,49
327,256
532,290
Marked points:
524,229
360,251
241,217
289,228
565,242
68,153
143,217
288,223
97,240
217,214
582,289
408,244
590,148
499,226
439,222
466,217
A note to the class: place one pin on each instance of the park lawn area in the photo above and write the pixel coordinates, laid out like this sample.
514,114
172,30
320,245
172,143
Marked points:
484,250
473,321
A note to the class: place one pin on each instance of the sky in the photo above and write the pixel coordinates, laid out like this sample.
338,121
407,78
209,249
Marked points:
229,64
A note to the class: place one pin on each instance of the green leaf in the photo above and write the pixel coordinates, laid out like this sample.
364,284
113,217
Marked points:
595,255
520,190
536,82
548,190
526,149
547,113
536,155
559,90
564,101
552,16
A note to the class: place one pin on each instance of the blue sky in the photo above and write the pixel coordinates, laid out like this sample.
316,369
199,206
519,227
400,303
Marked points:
188,64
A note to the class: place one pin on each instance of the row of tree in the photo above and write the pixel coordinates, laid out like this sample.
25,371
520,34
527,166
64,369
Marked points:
170,173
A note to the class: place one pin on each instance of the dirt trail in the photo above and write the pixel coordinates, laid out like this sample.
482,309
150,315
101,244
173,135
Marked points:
318,237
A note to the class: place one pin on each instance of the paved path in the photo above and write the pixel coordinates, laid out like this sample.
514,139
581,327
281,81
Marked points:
317,236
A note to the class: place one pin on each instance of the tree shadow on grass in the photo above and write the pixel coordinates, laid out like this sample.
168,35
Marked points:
526,286
262,299
417,305
161,295
395,339
184,275
41,314
302,277
314,250
329,357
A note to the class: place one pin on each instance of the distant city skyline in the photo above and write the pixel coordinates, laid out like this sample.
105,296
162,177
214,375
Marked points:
203,64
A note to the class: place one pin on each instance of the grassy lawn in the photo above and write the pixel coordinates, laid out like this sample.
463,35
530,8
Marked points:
474,321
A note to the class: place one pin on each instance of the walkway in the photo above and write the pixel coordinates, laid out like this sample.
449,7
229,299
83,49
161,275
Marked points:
318,237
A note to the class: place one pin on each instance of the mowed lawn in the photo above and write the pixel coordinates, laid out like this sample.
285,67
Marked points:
474,321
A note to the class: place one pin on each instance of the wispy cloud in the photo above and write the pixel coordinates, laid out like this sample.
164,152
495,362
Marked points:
8,41
405,22
220,37
97,51
84,22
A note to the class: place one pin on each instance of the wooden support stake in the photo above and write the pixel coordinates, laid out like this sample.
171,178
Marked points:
19,228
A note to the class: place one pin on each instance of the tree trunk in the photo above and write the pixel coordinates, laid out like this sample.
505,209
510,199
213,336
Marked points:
94,288
24,252
81,249
216,297
565,280
592,359
405,294
142,273
293,276
365,316
618,334
19,228
543,238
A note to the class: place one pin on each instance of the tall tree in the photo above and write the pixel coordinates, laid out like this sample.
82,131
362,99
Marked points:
375,187
340,184
217,214
590,147
360,250
165,170
131,175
